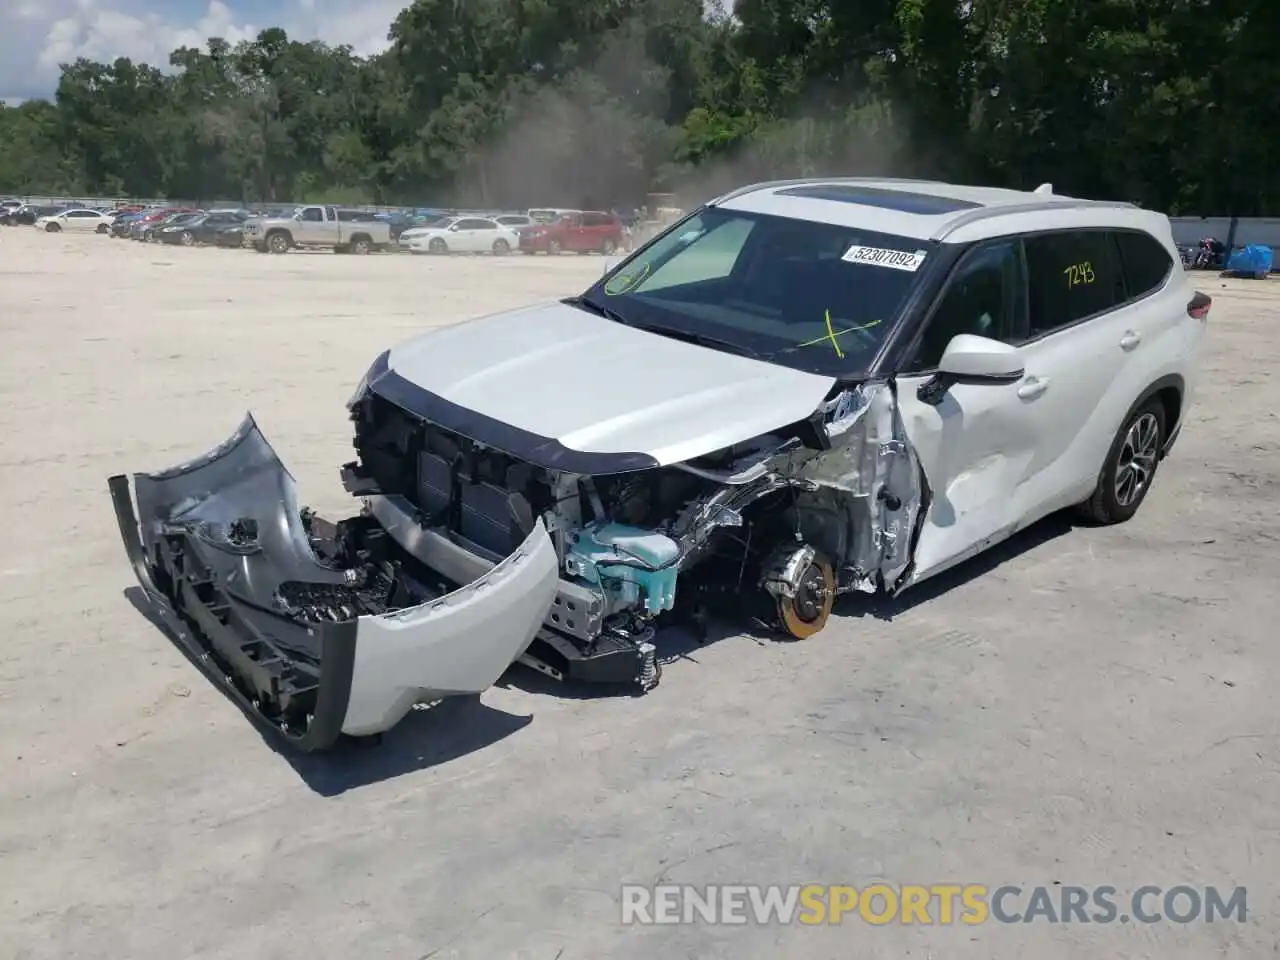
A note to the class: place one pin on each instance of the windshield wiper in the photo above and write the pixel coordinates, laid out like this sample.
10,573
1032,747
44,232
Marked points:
704,340
701,339
607,312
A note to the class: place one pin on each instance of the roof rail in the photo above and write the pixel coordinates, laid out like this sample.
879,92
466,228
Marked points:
810,181
977,214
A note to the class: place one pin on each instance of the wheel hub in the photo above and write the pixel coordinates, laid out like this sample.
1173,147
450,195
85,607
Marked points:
811,594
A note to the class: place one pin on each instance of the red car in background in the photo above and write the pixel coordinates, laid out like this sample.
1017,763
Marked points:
588,232
137,227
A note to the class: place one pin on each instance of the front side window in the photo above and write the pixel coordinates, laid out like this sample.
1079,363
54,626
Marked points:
1071,276
312,215
985,296
814,296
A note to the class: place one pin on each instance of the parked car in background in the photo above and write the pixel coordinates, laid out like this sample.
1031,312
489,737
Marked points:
200,228
588,232
138,229
229,236
549,214
121,225
151,232
423,225
466,235
27,214
74,221
318,226
398,223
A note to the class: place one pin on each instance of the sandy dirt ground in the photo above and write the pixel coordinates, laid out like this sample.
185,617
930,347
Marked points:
1084,707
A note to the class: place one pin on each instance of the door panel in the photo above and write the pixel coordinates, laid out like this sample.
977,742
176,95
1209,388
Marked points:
310,227
974,447
468,238
978,441
1081,347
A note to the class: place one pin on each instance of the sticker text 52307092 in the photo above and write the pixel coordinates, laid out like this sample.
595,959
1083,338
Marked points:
879,257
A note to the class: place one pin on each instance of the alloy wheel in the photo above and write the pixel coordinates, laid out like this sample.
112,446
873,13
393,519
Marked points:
1137,460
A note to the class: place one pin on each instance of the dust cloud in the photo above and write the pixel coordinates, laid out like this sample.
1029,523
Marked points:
598,140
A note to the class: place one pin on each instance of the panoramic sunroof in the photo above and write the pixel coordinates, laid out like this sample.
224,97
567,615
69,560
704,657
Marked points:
901,201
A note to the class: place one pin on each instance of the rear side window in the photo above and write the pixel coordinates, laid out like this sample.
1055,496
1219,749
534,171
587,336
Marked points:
1071,275
1146,262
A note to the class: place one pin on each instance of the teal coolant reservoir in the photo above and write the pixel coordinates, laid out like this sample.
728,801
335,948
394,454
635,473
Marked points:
634,568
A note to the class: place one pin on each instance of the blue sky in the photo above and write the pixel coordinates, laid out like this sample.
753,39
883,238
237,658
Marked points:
37,35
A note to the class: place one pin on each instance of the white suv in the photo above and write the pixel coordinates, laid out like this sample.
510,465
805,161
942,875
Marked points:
801,390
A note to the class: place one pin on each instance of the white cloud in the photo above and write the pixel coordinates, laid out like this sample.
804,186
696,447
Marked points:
38,35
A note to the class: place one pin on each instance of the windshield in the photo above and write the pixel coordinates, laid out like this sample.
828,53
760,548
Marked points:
813,296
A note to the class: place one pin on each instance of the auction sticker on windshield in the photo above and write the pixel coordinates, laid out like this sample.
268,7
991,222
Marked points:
878,257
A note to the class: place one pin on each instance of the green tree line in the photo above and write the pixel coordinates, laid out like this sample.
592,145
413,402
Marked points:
1173,104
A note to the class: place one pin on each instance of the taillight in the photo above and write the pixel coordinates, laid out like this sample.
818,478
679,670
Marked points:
1199,306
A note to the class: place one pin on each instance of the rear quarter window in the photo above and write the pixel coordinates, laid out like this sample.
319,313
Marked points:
1071,276
1147,264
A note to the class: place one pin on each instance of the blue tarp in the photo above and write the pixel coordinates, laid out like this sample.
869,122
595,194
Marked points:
1256,259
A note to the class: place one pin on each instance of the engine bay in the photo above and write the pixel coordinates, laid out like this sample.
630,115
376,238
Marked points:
776,527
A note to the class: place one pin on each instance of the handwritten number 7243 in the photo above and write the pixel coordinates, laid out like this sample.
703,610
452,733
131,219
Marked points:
1079,273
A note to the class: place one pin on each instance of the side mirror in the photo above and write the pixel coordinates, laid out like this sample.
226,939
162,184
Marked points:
973,360
454,228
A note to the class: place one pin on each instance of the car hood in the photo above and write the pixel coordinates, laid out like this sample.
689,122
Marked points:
595,386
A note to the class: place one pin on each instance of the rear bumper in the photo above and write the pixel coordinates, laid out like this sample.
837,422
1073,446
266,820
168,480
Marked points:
307,634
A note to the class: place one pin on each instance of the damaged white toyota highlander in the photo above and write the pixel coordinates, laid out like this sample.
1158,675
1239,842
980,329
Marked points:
802,390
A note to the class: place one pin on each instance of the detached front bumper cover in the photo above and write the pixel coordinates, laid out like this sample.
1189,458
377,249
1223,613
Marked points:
249,586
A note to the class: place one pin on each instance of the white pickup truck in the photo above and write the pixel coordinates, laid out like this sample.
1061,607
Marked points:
341,231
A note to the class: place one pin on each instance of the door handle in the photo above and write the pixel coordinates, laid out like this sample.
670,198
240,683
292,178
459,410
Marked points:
1130,340
1032,387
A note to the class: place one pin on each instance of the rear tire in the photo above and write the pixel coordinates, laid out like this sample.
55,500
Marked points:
554,248
103,228
608,248
360,246
501,248
1130,467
